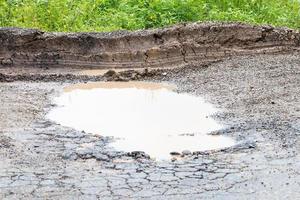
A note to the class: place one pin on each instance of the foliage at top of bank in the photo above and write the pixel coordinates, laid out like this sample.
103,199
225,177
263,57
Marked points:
109,15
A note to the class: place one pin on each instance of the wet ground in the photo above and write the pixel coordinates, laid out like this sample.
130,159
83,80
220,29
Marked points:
259,100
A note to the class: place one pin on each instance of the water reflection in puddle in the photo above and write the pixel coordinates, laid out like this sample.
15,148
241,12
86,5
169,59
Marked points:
143,116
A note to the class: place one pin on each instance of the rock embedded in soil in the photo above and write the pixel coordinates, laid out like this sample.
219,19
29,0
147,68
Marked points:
186,153
138,154
174,153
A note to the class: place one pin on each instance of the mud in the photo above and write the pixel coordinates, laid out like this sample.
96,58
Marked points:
258,95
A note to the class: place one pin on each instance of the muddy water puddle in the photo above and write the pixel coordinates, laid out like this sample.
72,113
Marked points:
141,116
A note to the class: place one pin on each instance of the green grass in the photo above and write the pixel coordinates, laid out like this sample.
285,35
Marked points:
108,15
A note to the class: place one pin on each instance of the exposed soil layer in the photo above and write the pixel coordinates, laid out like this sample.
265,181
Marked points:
177,45
259,98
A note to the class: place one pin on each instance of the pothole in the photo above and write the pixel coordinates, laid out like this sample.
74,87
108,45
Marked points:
141,116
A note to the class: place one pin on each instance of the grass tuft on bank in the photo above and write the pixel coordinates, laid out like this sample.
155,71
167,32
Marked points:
109,15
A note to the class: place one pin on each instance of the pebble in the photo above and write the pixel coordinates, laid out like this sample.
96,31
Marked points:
174,153
186,152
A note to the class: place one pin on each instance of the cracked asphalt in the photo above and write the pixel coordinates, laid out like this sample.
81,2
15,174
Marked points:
259,99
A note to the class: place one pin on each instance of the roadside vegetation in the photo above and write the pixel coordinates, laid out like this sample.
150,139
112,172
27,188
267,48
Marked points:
108,15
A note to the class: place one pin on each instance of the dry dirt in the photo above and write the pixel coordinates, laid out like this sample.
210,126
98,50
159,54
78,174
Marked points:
256,84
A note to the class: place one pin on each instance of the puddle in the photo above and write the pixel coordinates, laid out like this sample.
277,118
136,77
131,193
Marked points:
142,116
119,85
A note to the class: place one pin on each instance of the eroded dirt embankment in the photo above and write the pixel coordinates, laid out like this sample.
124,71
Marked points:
173,46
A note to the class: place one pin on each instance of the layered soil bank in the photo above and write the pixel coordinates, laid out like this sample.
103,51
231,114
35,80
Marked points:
172,46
